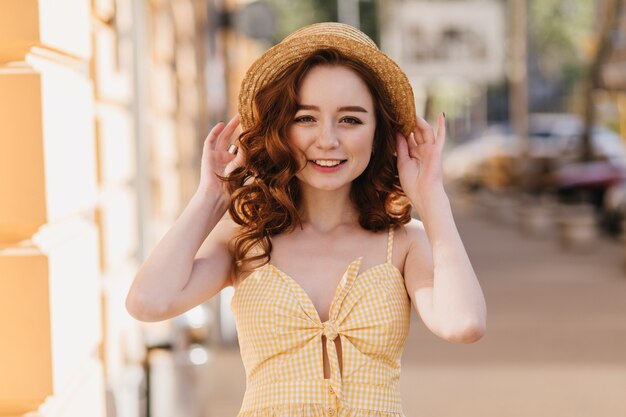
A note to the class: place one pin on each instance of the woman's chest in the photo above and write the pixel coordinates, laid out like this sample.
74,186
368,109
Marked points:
319,275
371,304
319,280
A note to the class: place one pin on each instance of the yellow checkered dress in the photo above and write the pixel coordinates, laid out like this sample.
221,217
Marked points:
280,333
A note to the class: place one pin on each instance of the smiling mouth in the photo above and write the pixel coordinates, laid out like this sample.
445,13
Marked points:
327,162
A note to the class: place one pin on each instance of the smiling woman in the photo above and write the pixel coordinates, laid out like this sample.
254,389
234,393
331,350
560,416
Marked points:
318,241
328,106
336,133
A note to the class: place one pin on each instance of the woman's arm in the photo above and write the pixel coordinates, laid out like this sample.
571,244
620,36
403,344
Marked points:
161,288
192,262
438,274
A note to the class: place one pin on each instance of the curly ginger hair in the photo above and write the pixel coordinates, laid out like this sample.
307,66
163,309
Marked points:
265,194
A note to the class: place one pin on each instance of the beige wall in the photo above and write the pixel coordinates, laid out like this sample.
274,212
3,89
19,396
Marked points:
116,215
103,112
67,157
50,316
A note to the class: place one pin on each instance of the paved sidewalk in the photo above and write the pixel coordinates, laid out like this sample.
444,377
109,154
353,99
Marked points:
555,343
556,333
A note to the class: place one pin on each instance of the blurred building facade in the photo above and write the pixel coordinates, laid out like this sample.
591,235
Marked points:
104,108
451,51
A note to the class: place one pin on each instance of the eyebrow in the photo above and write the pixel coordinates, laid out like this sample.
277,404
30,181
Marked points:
344,108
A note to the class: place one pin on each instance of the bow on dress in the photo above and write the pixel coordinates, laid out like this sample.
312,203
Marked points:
304,326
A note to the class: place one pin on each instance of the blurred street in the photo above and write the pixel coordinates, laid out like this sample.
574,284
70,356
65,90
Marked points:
555,343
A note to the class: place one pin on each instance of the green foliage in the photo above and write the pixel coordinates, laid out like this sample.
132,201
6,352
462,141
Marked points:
369,19
558,30
292,15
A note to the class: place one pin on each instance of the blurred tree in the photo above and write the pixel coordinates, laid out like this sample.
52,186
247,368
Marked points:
559,31
369,19
603,44
292,15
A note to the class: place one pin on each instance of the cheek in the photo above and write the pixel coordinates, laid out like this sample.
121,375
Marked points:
365,163
367,142
297,139
361,152
368,148
297,144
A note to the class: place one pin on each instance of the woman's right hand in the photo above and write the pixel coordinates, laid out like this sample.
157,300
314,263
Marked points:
217,160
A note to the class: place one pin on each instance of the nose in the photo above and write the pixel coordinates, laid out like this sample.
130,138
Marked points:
327,137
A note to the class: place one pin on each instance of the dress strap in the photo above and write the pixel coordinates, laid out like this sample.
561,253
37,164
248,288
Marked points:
390,244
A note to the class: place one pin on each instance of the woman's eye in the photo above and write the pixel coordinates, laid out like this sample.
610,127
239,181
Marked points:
304,119
351,120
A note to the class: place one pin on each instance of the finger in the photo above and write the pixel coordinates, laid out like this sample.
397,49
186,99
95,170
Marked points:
402,148
237,161
425,131
210,140
440,139
417,136
413,146
224,139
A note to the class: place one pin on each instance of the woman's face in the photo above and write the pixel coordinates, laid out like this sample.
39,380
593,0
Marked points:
333,127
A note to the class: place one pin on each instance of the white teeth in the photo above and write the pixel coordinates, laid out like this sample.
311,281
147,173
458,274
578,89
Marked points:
326,163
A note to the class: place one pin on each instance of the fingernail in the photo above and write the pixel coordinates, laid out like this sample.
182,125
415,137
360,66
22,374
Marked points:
444,114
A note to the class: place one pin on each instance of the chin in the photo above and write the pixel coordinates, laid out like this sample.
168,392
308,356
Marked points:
326,186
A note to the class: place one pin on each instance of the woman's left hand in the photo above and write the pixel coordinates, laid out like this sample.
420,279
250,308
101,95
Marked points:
420,161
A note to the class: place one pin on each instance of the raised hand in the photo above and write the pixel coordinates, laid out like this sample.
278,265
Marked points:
420,161
217,160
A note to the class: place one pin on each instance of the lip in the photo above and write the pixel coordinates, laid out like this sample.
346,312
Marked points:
327,169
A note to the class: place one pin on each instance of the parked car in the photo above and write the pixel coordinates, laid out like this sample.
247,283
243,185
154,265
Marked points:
554,141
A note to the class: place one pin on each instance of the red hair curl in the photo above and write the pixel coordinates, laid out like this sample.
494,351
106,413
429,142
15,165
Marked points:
265,195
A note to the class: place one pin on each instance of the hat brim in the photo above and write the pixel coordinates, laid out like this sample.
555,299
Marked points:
274,61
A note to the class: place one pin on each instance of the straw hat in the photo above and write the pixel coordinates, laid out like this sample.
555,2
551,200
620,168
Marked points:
350,42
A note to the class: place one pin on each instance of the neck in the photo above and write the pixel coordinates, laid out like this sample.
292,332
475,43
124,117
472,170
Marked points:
326,210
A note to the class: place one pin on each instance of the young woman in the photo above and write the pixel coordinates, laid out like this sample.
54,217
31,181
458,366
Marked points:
307,215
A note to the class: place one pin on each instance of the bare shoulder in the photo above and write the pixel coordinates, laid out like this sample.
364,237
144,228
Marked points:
222,235
226,229
418,260
217,248
414,231
226,232
411,237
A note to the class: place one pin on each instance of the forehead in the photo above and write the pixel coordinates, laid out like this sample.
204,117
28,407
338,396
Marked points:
334,82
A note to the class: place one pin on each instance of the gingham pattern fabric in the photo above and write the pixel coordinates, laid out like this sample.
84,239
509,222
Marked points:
280,339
